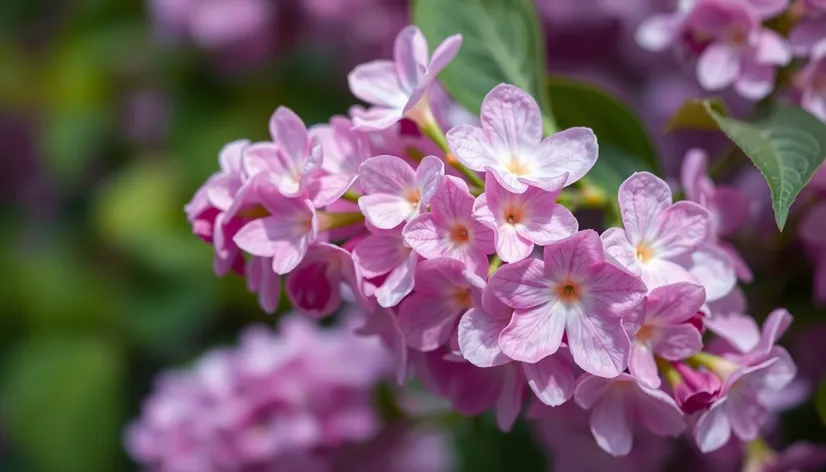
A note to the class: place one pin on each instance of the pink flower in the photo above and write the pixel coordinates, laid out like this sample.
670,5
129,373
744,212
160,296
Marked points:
382,322
551,379
728,208
285,234
395,193
344,150
696,390
520,220
618,404
666,330
800,455
444,290
660,31
394,88
746,377
314,286
572,290
389,263
291,160
742,52
664,242
261,279
449,230
812,80
509,144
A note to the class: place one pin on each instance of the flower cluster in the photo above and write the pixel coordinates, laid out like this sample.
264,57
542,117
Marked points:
469,269
296,399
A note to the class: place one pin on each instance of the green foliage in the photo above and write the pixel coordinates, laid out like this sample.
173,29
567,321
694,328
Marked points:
820,400
786,143
502,42
62,401
693,115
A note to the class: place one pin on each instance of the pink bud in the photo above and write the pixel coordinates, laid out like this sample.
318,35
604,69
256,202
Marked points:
697,391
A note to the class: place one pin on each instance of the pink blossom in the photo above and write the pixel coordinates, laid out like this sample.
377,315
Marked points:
727,319
618,404
660,31
314,286
728,208
285,234
389,264
509,144
383,322
746,378
261,279
394,88
811,30
812,80
444,290
697,390
344,150
290,161
797,456
665,330
449,230
520,220
665,242
551,379
395,193
573,290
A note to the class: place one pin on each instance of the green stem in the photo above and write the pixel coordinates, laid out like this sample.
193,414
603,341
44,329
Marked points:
328,221
672,376
495,263
351,196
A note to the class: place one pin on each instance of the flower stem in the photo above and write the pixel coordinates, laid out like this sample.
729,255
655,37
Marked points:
495,263
672,376
328,221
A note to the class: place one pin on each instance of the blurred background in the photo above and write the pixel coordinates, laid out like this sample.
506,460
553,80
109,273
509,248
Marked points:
112,113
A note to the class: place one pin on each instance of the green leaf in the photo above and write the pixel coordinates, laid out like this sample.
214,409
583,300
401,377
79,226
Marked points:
62,401
692,115
502,42
820,400
786,143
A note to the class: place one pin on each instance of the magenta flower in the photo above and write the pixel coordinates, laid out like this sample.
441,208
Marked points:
344,150
741,52
666,330
551,379
444,290
520,220
449,230
390,264
395,193
284,235
509,144
573,290
746,378
662,241
314,286
728,209
812,80
620,403
291,160
261,279
697,390
394,88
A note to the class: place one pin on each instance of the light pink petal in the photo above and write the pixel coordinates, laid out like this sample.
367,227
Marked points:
471,147
382,322
510,246
772,49
573,255
806,34
739,330
572,151
377,118
682,227
546,221
289,133
386,174
452,201
718,66
712,430
658,272
398,284
377,83
482,211
657,32
756,81
427,236
312,288
769,8
599,346
589,389
774,327
659,413
410,53
741,267
428,177
678,342
672,304
733,207
276,165
269,291
521,285
642,198
745,414
377,255
441,276
693,175
611,423
619,251
511,118
534,334
612,293
443,54
426,322
479,338
385,211
509,404
272,237
551,379
230,156
326,189
711,267
642,366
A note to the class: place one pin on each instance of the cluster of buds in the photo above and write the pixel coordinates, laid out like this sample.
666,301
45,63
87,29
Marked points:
457,251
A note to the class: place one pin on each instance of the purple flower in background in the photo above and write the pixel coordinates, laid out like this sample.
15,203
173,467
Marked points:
811,80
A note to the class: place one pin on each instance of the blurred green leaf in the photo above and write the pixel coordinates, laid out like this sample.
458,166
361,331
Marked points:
62,401
502,42
786,143
692,115
820,400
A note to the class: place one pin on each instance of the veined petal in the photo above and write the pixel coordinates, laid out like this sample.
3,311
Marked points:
545,221
611,423
289,133
534,334
673,304
619,250
376,83
678,341
443,54
680,228
642,366
426,322
642,198
658,412
551,379
510,246
377,255
471,147
573,255
572,152
429,176
599,346
509,404
386,174
398,284
712,430
512,119
386,211
718,66
479,338
521,285
410,53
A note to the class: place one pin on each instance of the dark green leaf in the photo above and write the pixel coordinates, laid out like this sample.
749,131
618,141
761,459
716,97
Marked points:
787,145
693,115
503,42
820,400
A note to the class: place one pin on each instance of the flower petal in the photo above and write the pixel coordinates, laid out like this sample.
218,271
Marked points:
471,147
534,334
611,424
551,379
642,366
426,322
680,228
443,54
386,174
511,118
479,338
385,211
509,404
521,285
642,198
675,303
678,342
410,53
572,151
657,32
599,346
712,430
510,246
428,177
658,412
376,83
398,284
718,66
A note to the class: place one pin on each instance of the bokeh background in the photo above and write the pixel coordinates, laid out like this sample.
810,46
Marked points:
112,113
